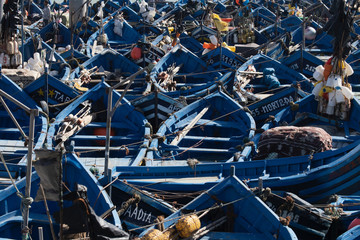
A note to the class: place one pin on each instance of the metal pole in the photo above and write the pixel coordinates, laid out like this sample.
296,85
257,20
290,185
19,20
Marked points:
47,86
22,32
41,233
12,117
14,100
302,46
108,128
110,112
25,228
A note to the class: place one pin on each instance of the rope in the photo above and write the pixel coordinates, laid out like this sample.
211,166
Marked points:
65,103
12,180
104,189
136,199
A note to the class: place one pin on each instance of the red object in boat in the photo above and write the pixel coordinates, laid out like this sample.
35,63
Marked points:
226,19
102,132
136,53
354,223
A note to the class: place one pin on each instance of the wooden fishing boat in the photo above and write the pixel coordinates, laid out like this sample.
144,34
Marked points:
270,103
50,93
214,128
74,58
58,34
219,213
302,61
322,44
157,107
351,234
13,139
284,76
129,130
149,54
114,67
126,36
181,73
313,177
313,184
307,221
223,59
34,12
57,65
263,17
353,60
73,174
191,44
138,208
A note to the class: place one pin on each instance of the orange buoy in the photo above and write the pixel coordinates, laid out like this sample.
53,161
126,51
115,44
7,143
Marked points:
136,53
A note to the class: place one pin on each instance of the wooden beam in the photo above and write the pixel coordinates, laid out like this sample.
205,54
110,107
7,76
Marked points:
185,131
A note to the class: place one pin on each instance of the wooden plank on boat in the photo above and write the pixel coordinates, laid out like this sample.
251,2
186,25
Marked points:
183,133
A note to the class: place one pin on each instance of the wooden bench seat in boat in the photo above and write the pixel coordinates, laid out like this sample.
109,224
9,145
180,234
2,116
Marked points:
208,122
103,137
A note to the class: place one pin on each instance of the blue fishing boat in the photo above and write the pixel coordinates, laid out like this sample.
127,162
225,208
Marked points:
181,73
263,17
34,12
272,31
313,177
282,75
307,221
321,44
351,234
202,33
214,128
74,58
229,210
138,208
60,35
157,107
114,67
290,23
123,37
53,93
345,208
148,54
57,65
262,107
86,28
73,174
191,43
353,60
302,61
14,139
130,15
129,130
316,183
223,59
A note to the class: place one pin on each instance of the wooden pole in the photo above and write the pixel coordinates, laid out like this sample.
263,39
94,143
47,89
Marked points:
185,131
48,213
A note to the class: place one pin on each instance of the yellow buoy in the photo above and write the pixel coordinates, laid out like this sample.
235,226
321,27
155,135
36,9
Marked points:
186,226
154,234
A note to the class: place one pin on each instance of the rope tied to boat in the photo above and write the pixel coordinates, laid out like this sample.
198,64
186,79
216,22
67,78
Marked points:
125,205
25,201
288,205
